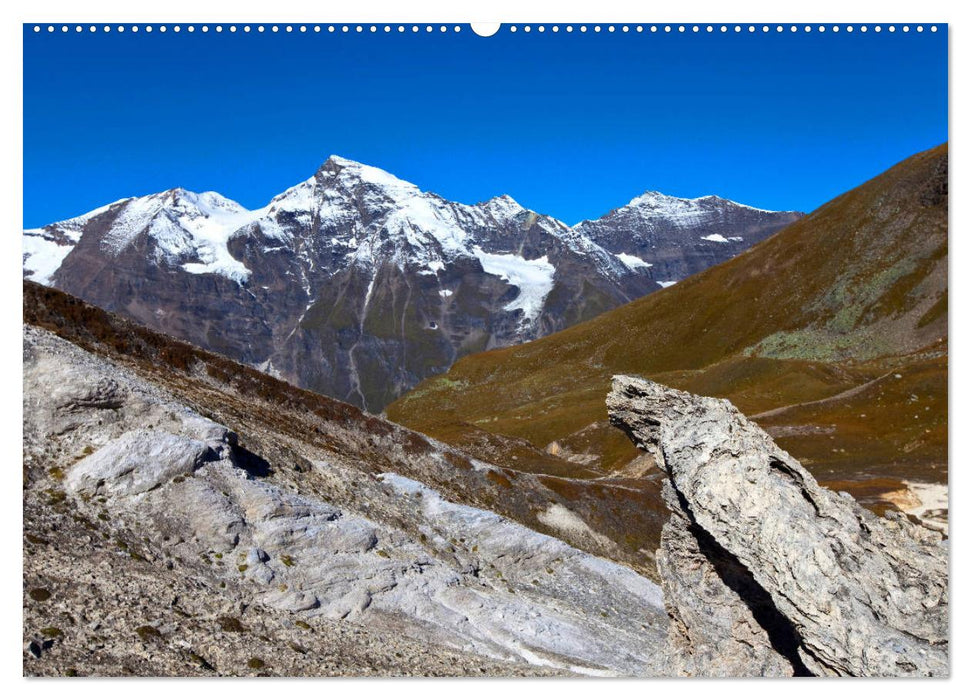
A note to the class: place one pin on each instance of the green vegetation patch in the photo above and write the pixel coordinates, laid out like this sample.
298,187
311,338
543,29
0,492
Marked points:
148,633
39,594
230,624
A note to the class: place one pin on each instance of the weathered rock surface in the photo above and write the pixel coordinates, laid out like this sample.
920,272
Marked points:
766,572
152,485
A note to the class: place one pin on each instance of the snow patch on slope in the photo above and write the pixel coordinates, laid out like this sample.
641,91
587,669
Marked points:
534,278
632,261
211,233
44,249
42,256
183,225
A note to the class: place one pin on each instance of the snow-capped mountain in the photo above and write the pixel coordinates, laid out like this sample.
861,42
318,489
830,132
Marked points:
181,224
355,283
679,237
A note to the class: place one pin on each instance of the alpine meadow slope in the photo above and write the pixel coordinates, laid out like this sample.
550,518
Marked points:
831,334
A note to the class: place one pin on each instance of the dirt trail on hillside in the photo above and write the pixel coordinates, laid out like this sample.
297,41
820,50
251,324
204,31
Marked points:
849,393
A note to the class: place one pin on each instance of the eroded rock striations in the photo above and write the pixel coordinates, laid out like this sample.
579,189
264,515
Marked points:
767,573
159,544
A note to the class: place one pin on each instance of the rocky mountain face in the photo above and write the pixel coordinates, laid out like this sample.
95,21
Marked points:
186,515
831,334
766,573
680,237
357,284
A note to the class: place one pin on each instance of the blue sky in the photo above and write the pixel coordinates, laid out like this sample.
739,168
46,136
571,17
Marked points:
571,125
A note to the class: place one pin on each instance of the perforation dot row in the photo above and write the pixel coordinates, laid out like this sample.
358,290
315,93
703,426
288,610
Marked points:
232,28
724,28
414,28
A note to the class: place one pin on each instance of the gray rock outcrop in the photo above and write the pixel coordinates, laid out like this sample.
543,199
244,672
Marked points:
155,486
767,573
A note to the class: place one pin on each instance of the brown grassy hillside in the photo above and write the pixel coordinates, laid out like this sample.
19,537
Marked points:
842,317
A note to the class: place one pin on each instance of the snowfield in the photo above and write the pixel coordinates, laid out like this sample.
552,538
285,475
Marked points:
42,256
632,261
534,278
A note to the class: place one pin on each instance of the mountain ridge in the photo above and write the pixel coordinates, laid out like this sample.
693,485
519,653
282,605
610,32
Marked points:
353,283
209,202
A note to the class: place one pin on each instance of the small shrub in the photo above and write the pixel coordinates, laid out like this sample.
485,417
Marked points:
39,594
499,479
52,632
256,663
193,656
147,633
230,624
286,559
55,497
302,625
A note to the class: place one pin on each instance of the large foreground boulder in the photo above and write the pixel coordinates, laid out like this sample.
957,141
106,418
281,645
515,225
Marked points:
767,573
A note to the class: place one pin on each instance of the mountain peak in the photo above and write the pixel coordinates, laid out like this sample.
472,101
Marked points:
335,161
345,168
655,198
659,201
207,202
502,204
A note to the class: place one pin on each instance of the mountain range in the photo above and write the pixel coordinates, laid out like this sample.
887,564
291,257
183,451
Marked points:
358,285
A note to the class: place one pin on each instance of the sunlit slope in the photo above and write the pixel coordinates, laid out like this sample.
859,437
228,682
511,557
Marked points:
854,292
